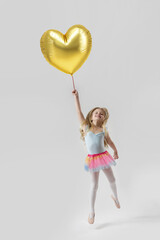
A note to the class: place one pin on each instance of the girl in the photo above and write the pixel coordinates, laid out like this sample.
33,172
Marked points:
96,137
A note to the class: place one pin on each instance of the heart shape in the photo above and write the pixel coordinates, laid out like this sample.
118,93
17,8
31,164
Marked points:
66,52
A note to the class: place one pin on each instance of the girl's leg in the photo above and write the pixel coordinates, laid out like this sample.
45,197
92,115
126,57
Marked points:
109,174
93,191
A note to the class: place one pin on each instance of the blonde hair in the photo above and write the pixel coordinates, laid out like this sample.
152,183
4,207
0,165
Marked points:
88,122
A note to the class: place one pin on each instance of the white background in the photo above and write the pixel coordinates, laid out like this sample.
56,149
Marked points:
44,189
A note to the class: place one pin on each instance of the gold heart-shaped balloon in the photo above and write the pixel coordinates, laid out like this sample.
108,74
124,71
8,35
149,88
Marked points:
67,52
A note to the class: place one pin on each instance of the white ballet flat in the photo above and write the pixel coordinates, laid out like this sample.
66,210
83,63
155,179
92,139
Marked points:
116,202
91,219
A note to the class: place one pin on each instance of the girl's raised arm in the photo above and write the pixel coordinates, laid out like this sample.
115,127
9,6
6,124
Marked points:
78,106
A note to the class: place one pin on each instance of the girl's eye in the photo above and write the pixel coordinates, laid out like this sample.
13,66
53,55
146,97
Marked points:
101,113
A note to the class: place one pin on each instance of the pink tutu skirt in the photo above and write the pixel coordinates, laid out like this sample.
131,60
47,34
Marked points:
96,162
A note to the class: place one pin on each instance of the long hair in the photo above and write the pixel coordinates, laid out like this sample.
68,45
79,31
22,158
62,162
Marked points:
88,122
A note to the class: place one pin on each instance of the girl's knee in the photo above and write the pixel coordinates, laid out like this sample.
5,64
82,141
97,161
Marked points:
94,187
113,180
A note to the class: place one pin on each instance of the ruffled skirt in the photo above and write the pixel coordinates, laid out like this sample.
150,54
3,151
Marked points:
96,162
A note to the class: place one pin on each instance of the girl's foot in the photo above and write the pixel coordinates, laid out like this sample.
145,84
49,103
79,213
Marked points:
116,201
91,218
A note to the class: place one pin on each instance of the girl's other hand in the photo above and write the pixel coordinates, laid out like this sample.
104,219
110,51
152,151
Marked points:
115,156
75,93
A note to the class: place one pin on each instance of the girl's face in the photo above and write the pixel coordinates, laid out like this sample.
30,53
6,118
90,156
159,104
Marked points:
98,115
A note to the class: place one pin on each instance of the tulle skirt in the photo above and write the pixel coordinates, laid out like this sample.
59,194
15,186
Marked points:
96,162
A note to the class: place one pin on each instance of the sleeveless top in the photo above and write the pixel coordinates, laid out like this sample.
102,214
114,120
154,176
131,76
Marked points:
94,142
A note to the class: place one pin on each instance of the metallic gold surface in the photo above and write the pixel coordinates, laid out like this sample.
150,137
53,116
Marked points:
67,52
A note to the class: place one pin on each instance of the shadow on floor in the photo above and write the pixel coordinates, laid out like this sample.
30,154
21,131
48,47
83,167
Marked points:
130,220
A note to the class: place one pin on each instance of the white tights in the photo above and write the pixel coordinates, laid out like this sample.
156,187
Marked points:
94,186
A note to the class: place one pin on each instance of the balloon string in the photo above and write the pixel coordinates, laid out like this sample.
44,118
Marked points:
73,82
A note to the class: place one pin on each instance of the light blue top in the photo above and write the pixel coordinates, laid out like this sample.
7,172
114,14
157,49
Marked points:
94,142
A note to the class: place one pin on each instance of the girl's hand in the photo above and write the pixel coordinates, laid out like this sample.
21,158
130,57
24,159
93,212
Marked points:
75,93
115,156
